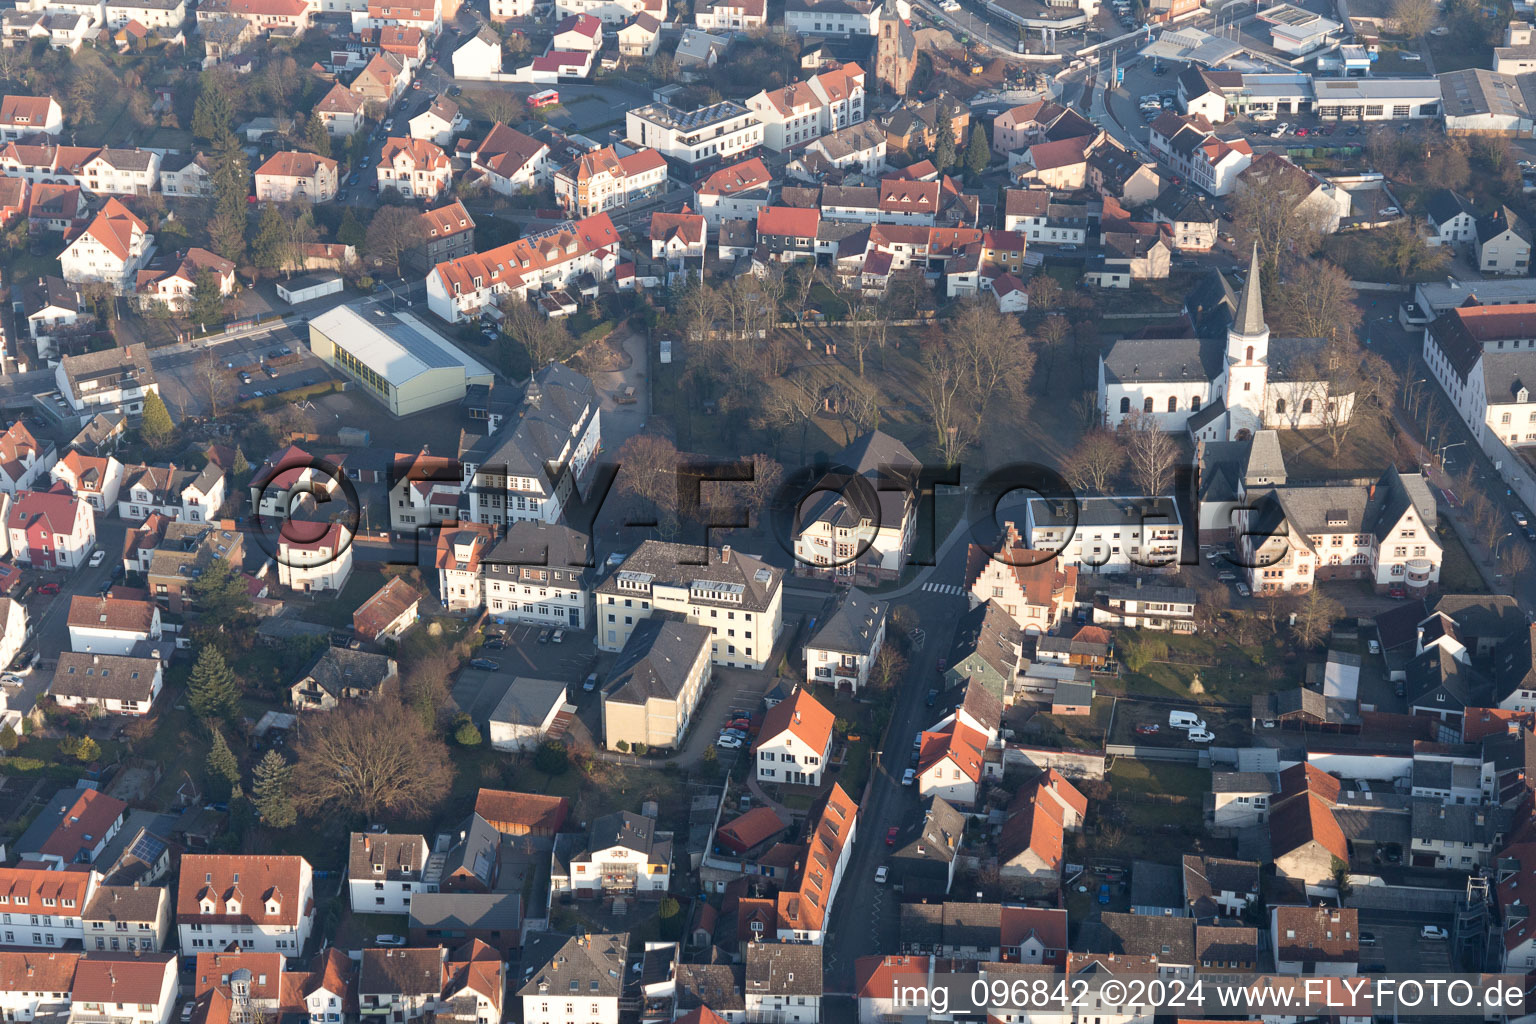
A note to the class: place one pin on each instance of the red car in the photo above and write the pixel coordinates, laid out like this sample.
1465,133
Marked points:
1397,592
48,588
1301,131
1146,730
890,836
739,723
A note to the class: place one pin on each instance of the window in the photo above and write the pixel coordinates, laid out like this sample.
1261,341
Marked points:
1279,407
1125,407
1173,403
1147,405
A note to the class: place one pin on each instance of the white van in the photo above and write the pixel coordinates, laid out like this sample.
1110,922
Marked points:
1185,720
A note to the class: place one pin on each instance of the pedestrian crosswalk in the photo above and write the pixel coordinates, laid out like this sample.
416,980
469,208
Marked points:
943,588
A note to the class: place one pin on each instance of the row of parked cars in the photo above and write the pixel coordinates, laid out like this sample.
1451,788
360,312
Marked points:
737,731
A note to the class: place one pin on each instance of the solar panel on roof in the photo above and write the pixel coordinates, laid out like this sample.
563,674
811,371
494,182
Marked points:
147,848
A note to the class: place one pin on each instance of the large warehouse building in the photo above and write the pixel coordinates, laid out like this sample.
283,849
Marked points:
395,357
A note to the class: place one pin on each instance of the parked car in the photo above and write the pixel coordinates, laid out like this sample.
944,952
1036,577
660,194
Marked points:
738,733
728,743
890,835
881,873
1433,931
909,776
485,664
48,588
543,636
591,683
98,558
1104,893
1519,518
1201,736
933,698
389,940
739,723
1243,591
1147,730
557,637
1397,593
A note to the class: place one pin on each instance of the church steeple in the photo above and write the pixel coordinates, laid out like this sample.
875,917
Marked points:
1250,306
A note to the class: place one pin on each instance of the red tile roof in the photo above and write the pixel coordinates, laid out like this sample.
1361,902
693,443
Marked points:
379,612
423,155
876,977
447,220
742,177
805,907
510,263
88,611
24,111
291,164
788,221
534,811
124,978
115,227
262,880
41,971
24,890
802,716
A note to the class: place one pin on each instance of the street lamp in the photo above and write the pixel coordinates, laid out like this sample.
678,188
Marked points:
1447,448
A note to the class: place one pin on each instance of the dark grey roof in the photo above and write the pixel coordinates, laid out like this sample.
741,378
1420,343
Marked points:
1243,782
124,903
1176,205
1103,511
717,986
631,831
527,700
1208,877
1514,665
1134,360
989,635
936,836
476,851
1435,672
531,543
1444,205
1224,946
853,627
1168,595
656,662
683,565
399,856
1155,885
1435,821
337,669
590,966
1499,221
922,924
553,405
783,969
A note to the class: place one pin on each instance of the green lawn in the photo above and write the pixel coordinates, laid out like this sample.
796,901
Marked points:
1457,573
1130,776
1228,671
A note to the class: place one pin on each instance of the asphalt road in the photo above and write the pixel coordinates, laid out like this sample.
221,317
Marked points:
866,914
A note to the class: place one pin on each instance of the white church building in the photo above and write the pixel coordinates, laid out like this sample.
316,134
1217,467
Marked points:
1227,381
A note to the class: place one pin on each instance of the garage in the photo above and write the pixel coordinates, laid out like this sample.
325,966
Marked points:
309,287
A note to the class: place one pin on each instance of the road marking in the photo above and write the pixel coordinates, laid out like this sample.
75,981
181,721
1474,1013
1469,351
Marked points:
943,588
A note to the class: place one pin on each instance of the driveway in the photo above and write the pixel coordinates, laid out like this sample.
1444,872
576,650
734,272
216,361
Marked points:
621,422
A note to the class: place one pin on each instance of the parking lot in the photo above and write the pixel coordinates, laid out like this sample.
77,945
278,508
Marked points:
1409,952
477,691
184,376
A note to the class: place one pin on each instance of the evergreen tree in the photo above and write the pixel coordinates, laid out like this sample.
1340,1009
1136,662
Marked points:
317,137
226,228
978,154
944,137
223,769
220,592
207,305
8,739
467,734
213,115
212,691
270,248
351,231
269,790
156,426
241,466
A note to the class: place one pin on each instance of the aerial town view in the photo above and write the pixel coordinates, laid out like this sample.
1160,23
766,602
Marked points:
767,511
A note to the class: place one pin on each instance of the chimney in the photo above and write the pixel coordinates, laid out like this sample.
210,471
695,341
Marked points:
1371,494
95,659
725,554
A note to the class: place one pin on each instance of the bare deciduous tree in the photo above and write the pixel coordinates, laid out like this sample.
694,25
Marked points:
1094,461
1315,615
1317,301
943,390
344,768
1280,213
995,357
1415,17
213,377
1151,451
541,338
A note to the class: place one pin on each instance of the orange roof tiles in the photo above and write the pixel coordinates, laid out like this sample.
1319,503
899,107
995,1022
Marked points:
293,164
24,111
805,908
115,227
25,889
788,221
423,155
447,220
804,717
510,263
533,811
379,612
262,880
742,177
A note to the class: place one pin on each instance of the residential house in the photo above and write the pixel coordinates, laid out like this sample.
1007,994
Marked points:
1451,219
138,988
1021,127
1314,201
440,123
801,909
860,526
341,110
25,116
1031,845
387,615
59,897
1190,148
111,625
795,741
1316,941
551,258
731,15
510,161
1305,837
173,283
111,249
479,56
14,630
567,975
530,712
1105,534
538,574
737,596
50,530
384,871
55,314
603,180
1503,243
24,461
1030,586
339,674
193,496
132,918
987,650
460,549
802,111
700,140
263,903
172,555
383,80
447,233
652,690
1193,223
1218,887
928,851
291,176
1145,607
639,37
844,650
623,855
61,209
414,167
678,238
278,17
115,684
314,559
72,828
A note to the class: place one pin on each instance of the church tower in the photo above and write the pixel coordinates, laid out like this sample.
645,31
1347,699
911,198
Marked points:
1247,370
